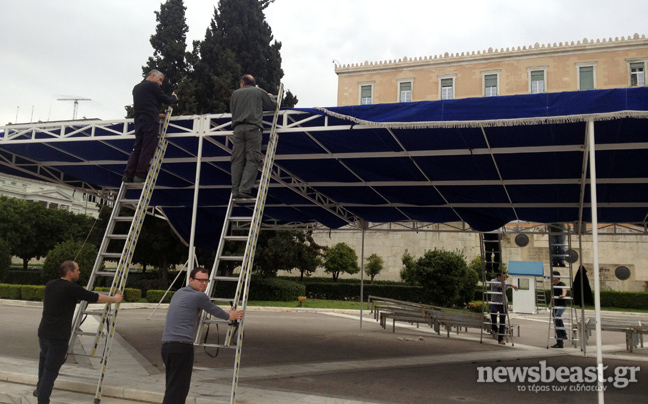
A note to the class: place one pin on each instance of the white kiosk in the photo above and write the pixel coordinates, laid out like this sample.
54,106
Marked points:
522,274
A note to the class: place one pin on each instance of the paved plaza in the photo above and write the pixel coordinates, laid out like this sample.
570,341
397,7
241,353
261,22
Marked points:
316,356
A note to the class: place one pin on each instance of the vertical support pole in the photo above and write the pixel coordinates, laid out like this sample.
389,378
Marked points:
597,281
363,225
194,211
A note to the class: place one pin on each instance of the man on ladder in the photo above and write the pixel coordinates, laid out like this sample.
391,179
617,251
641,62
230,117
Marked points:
147,100
247,105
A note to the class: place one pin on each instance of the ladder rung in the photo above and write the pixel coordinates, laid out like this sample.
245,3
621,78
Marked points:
236,238
216,345
240,219
123,218
221,299
226,278
128,201
86,334
117,236
215,321
83,355
111,255
106,273
97,313
231,258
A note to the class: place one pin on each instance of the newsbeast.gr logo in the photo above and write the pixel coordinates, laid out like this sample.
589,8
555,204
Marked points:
580,379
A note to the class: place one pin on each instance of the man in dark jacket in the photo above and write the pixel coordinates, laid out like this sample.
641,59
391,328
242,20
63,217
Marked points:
147,100
55,329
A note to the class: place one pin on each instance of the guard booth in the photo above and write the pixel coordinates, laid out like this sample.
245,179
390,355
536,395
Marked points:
523,275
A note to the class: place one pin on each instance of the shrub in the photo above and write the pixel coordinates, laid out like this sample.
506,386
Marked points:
446,278
85,256
32,292
5,259
624,300
476,305
24,278
10,291
275,290
154,296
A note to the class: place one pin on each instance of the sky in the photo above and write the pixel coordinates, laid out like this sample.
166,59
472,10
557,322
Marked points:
95,50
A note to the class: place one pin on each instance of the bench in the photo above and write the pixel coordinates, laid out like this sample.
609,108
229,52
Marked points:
634,329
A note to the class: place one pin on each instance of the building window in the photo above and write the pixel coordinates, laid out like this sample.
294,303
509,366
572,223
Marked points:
446,86
586,76
537,80
366,94
405,90
637,74
491,83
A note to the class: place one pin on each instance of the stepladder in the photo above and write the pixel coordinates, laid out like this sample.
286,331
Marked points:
120,239
236,249
495,301
563,317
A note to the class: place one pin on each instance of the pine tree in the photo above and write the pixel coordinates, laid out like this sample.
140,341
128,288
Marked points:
170,53
244,31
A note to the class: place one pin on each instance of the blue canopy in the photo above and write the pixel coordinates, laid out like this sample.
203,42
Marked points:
481,161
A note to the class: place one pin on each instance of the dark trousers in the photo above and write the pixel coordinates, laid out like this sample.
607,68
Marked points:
495,309
146,140
178,359
52,357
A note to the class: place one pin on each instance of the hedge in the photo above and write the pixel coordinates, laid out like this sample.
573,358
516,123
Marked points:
348,291
10,291
15,277
32,292
130,294
274,289
624,300
154,296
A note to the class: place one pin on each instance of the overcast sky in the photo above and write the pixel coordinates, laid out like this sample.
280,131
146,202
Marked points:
92,49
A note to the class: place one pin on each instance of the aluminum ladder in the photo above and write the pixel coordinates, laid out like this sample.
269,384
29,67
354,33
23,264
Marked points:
490,245
107,318
241,225
559,247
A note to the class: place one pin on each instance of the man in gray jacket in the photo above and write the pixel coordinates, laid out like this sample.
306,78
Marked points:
178,336
247,105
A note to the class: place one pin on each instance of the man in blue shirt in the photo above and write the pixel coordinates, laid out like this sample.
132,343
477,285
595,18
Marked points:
178,336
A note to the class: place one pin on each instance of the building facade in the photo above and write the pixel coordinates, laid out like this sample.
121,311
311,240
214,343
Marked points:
580,65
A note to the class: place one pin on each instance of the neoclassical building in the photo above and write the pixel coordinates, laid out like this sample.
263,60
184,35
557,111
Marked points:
570,66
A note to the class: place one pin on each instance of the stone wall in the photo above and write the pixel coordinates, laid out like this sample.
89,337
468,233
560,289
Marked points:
614,250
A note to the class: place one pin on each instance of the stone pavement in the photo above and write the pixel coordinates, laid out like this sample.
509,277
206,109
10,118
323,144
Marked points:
306,356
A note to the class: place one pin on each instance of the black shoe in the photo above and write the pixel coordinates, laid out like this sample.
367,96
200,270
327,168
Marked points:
138,180
35,393
126,178
557,346
243,195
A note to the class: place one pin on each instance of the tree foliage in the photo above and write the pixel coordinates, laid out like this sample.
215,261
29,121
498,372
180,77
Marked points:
287,250
32,230
237,41
374,266
84,255
407,273
5,259
341,259
446,278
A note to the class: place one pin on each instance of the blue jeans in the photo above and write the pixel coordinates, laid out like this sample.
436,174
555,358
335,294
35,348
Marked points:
52,356
560,334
